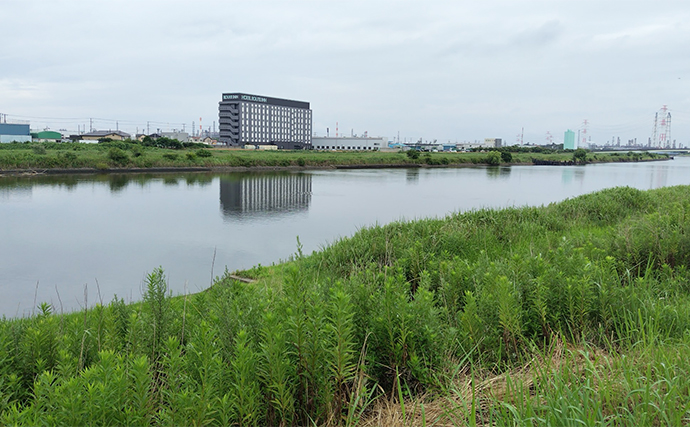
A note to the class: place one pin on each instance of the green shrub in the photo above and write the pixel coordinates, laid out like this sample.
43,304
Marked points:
506,156
190,156
300,161
493,158
412,154
118,156
580,155
204,153
170,156
137,150
38,149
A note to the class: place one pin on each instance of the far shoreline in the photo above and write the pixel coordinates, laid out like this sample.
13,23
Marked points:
291,168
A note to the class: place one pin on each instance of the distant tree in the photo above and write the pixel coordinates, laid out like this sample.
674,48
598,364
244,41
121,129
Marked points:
137,150
493,158
580,155
506,156
413,154
118,156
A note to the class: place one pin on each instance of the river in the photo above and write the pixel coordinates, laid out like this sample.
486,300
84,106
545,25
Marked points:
75,240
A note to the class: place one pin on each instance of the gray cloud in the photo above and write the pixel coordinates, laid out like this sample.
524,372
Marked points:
442,70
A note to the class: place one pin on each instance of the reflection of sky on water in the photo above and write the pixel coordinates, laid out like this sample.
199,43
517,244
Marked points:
17,193
68,232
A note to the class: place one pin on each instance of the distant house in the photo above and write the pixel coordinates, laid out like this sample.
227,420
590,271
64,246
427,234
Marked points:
141,136
46,136
203,139
180,136
116,135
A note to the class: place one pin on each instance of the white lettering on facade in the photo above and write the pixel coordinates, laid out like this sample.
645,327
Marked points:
253,98
244,98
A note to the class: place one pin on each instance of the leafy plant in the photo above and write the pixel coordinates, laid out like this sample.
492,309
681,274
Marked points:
412,154
493,158
38,149
118,156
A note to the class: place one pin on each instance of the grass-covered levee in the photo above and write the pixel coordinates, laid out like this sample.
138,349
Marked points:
576,313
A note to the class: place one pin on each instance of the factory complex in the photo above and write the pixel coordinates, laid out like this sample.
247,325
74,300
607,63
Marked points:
252,122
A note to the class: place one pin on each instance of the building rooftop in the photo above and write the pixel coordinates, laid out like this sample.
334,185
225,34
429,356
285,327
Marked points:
104,133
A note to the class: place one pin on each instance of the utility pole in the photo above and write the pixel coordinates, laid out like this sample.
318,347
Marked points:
147,128
90,125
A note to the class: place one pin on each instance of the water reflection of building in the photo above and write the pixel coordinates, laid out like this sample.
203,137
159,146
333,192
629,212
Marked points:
659,176
572,173
247,195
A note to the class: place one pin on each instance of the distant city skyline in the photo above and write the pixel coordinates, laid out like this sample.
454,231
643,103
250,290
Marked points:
436,70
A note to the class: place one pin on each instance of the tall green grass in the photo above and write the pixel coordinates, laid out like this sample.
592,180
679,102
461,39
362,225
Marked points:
578,310
131,154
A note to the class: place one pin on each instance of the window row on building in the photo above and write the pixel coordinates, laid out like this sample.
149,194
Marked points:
349,143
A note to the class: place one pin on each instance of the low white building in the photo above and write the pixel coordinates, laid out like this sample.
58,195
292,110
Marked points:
493,142
180,136
349,143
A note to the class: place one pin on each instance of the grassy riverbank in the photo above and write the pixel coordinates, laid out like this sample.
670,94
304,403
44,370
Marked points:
109,156
575,313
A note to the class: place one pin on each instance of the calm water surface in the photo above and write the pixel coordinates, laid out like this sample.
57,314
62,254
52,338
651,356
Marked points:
64,236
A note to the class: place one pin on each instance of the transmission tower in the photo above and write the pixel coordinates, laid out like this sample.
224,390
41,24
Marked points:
583,142
549,138
661,133
520,136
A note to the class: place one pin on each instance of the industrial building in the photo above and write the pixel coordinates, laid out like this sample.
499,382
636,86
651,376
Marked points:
349,143
11,132
180,136
259,120
493,142
46,136
569,142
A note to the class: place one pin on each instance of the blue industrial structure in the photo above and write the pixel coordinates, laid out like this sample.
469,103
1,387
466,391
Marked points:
10,132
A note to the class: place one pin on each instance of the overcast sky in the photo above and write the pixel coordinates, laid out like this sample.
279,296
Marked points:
445,70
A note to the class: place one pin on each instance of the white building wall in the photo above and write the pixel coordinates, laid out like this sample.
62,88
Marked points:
350,144
180,136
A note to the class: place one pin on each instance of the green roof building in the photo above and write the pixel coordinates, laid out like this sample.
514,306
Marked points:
46,136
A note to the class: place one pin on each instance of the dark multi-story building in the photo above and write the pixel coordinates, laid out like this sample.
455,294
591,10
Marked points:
259,120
